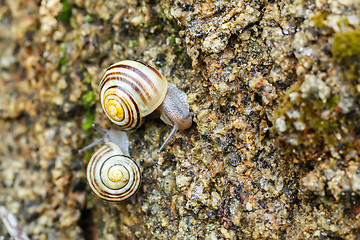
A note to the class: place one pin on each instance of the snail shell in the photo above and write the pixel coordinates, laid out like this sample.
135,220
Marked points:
131,90
111,174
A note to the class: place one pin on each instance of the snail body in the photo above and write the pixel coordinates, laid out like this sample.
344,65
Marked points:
131,90
111,174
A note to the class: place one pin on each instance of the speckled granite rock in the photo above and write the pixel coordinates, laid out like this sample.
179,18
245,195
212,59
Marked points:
274,148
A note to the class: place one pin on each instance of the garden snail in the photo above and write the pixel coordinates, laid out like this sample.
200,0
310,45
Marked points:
111,174
131,90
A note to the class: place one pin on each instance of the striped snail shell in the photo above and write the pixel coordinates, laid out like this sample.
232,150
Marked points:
131,90
111,174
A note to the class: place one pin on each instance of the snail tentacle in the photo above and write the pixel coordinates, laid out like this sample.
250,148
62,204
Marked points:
173,131
93,144
175,111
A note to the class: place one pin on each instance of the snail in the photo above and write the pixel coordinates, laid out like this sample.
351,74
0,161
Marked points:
131,90
111,174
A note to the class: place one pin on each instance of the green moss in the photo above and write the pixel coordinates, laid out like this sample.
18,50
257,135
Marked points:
89,119
88,98
63,48
63,59
86,78
65,13
346,47
332,102
312,116
165,19
325,126
88,18
319,19
88,156
346,52
133,43
73,23
178,50
318,130
172,40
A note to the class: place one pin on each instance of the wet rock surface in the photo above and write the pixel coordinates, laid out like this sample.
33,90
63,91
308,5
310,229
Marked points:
274,147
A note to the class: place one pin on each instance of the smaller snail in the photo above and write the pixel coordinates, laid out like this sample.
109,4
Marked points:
111,174
131,90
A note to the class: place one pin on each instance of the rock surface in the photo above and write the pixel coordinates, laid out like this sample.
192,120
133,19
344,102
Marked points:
274,148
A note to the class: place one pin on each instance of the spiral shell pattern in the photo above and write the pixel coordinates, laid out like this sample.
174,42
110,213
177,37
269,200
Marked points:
129,91
111,175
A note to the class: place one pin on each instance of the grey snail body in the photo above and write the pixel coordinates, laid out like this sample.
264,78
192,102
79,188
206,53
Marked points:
131,90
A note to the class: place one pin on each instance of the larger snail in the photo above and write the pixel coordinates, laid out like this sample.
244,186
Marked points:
131,90
111,174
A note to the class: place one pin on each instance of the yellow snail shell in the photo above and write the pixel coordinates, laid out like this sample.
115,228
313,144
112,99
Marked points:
131,90
111,174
